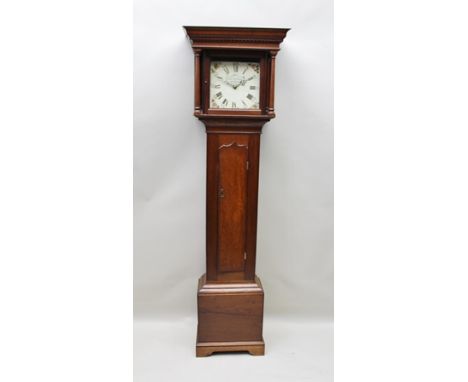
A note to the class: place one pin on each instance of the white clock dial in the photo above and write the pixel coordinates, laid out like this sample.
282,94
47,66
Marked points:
234,85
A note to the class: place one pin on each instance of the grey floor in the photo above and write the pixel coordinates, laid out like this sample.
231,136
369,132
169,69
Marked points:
164,351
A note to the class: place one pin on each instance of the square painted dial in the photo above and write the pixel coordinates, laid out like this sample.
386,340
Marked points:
234,85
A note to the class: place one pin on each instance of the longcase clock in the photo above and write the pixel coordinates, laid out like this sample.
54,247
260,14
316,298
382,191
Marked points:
234,98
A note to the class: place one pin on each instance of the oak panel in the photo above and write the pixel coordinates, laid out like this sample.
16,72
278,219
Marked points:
232,197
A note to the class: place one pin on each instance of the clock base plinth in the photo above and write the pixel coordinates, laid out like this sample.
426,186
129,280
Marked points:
205,349
230,317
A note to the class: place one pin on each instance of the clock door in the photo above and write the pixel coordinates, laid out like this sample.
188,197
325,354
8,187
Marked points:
232,188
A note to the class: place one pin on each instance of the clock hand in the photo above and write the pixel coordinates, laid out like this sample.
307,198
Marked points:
225,81
243,82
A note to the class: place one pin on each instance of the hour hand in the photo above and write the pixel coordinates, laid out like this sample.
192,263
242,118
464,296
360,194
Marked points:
224,81
231,85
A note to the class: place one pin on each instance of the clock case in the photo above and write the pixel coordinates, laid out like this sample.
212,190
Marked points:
230,297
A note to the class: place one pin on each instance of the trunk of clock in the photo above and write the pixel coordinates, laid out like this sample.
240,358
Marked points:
230,296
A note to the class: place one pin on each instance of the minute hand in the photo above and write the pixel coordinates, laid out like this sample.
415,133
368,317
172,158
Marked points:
248,79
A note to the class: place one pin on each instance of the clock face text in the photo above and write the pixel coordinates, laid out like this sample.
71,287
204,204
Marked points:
234,85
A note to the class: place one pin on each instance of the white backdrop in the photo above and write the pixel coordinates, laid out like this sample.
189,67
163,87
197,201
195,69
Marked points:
295,217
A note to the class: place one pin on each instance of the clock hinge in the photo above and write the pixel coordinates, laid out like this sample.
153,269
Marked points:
247,165
245,256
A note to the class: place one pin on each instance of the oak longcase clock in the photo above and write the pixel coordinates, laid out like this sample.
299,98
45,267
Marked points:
234,98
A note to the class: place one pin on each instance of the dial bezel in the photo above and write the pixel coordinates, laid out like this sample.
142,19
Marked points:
239,56
231,92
